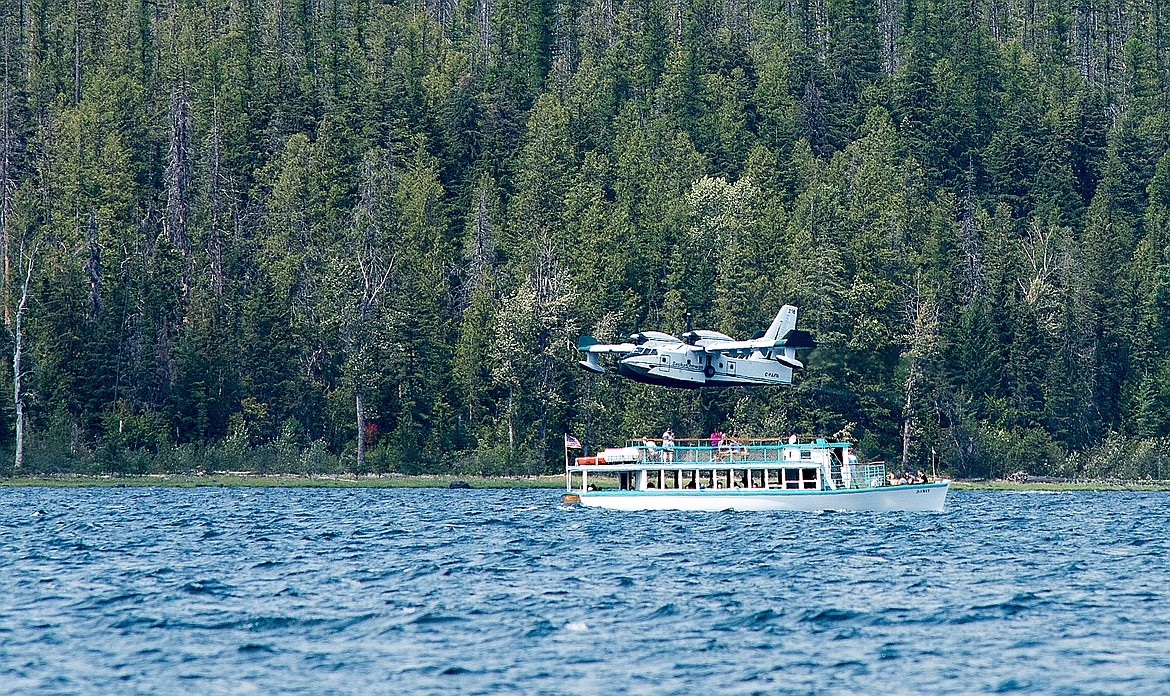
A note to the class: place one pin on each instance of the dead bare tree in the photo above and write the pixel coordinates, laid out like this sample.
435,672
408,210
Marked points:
7,179
93,266
178,179
27,260
215,200
922,323
376,262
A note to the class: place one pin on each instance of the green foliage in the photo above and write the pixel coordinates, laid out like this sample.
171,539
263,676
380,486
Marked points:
249,222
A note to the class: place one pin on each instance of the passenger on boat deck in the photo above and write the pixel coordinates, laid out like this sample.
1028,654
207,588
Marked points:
716,437
668,445
919,477
651,448
728,448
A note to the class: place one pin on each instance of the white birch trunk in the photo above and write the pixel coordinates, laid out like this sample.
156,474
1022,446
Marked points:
17,359
907,418
361,427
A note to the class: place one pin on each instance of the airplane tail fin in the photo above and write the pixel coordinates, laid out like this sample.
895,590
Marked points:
784,322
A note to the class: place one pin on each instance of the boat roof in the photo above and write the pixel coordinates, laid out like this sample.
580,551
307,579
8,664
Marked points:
756,442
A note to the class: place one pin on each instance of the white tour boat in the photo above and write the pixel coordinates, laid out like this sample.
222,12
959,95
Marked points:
757,474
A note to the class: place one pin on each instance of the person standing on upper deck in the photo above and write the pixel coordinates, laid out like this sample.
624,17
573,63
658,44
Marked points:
716,437
668,445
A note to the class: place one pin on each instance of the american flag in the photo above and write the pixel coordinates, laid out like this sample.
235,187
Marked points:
572,442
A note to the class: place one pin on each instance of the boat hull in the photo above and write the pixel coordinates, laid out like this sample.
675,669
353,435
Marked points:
929,497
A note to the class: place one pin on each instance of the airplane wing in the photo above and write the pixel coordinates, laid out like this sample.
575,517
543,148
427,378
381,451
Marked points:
588,344
795,339
733,346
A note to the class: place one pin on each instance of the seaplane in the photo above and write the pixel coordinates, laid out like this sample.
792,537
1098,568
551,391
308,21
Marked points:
704,358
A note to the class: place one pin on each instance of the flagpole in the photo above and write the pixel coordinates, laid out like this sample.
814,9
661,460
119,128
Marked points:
565,442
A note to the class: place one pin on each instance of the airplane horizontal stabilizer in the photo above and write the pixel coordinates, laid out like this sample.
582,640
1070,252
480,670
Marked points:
588,344
797,339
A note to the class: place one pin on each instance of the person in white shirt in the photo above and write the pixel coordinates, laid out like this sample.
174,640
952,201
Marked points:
668,445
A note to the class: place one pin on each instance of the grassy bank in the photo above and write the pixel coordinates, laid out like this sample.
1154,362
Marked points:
1001,485
286,481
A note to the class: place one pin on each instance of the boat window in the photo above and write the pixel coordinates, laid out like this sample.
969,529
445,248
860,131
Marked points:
806,454
809,477
800,479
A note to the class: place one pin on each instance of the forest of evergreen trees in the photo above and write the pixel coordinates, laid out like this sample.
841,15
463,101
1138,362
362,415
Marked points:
233,231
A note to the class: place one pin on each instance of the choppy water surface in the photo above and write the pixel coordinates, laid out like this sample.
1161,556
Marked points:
437,591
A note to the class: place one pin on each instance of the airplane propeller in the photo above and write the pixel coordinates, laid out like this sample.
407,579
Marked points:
637,337
689,336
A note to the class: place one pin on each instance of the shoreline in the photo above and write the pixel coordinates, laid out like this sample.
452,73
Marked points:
551,481
233,480
1005,485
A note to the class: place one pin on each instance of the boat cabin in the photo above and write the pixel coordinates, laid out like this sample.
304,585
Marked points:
763,464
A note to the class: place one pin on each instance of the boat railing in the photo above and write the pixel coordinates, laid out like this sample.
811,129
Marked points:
753,451
870,475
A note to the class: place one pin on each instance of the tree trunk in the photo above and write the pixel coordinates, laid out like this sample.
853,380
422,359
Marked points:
908,418
17,358
178,183
93,266
215,204
7,186
17,394
361,428
76,54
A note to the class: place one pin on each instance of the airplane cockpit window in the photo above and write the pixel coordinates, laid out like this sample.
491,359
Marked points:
644,351
640,351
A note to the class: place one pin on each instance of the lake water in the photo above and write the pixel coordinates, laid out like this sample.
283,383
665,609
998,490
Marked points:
120,591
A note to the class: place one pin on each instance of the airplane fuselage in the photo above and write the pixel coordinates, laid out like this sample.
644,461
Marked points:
690,368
